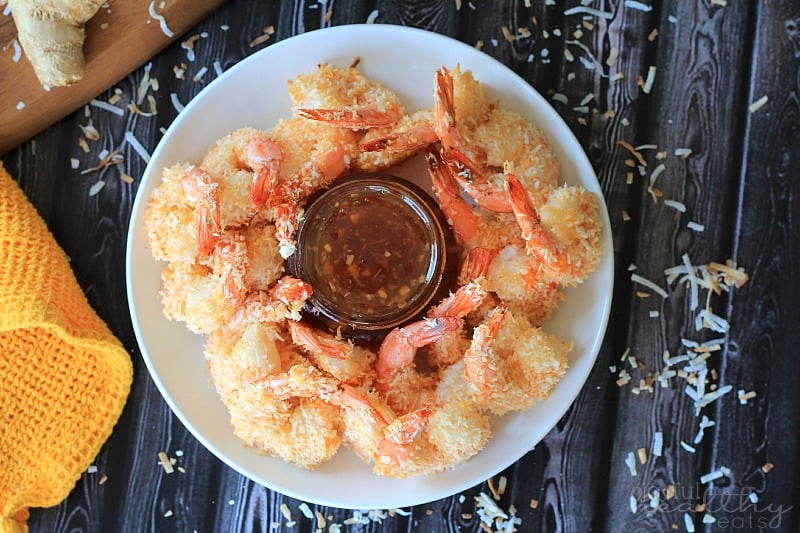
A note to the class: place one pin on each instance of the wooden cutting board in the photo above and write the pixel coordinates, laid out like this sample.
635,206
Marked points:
119,39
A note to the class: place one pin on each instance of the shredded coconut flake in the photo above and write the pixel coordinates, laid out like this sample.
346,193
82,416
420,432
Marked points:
688,522
653,176
589,11
306,510
162,22
636,278
137,146
674,204
716,474
651,77
175,102
17,51
166,464
658,443
758,104
638,5
107,107
200,74
692,225
372,16
630,461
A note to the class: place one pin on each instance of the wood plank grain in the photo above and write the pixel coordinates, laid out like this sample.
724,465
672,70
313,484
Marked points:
763,337
697,80
120,37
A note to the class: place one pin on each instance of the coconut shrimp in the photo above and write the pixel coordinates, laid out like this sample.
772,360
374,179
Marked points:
314,155
563,232
246,260
383,148
283,301
472,227
477,151
344,97
396,377
194,295
345,361
380,432
465,300
236,169
303,431
171,219
431,438
515,280
511,364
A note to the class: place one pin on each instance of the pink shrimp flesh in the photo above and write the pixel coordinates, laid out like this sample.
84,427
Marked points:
232,252
444,110
460,303
462,218
362,117
399,346
538,241
465,168
402,432
322,172
202,189
291,290
476,264
287,220
479,366
475,183
419,136
264,157
303,335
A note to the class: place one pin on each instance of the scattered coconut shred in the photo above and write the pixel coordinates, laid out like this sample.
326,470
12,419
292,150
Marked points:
162,22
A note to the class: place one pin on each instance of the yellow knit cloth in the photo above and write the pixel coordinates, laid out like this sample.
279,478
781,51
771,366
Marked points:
64,377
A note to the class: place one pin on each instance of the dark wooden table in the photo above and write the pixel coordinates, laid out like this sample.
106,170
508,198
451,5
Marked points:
718,83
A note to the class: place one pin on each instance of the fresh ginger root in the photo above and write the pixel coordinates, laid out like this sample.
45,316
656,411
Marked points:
51,34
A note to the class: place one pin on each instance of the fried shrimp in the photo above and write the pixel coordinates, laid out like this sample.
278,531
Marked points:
511,365
344,97
419,401
303,431
479,138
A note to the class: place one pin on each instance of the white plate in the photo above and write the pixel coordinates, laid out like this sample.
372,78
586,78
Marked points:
254,93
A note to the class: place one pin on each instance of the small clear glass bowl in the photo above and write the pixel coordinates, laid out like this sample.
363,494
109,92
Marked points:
377,252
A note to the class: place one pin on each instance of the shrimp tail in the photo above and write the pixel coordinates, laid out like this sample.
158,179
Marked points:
480,366
359,117
538,241
303,335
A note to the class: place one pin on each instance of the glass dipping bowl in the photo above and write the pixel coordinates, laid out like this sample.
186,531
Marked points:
377,252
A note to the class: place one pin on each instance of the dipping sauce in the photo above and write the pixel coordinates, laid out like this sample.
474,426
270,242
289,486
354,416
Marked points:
373,249
371,253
